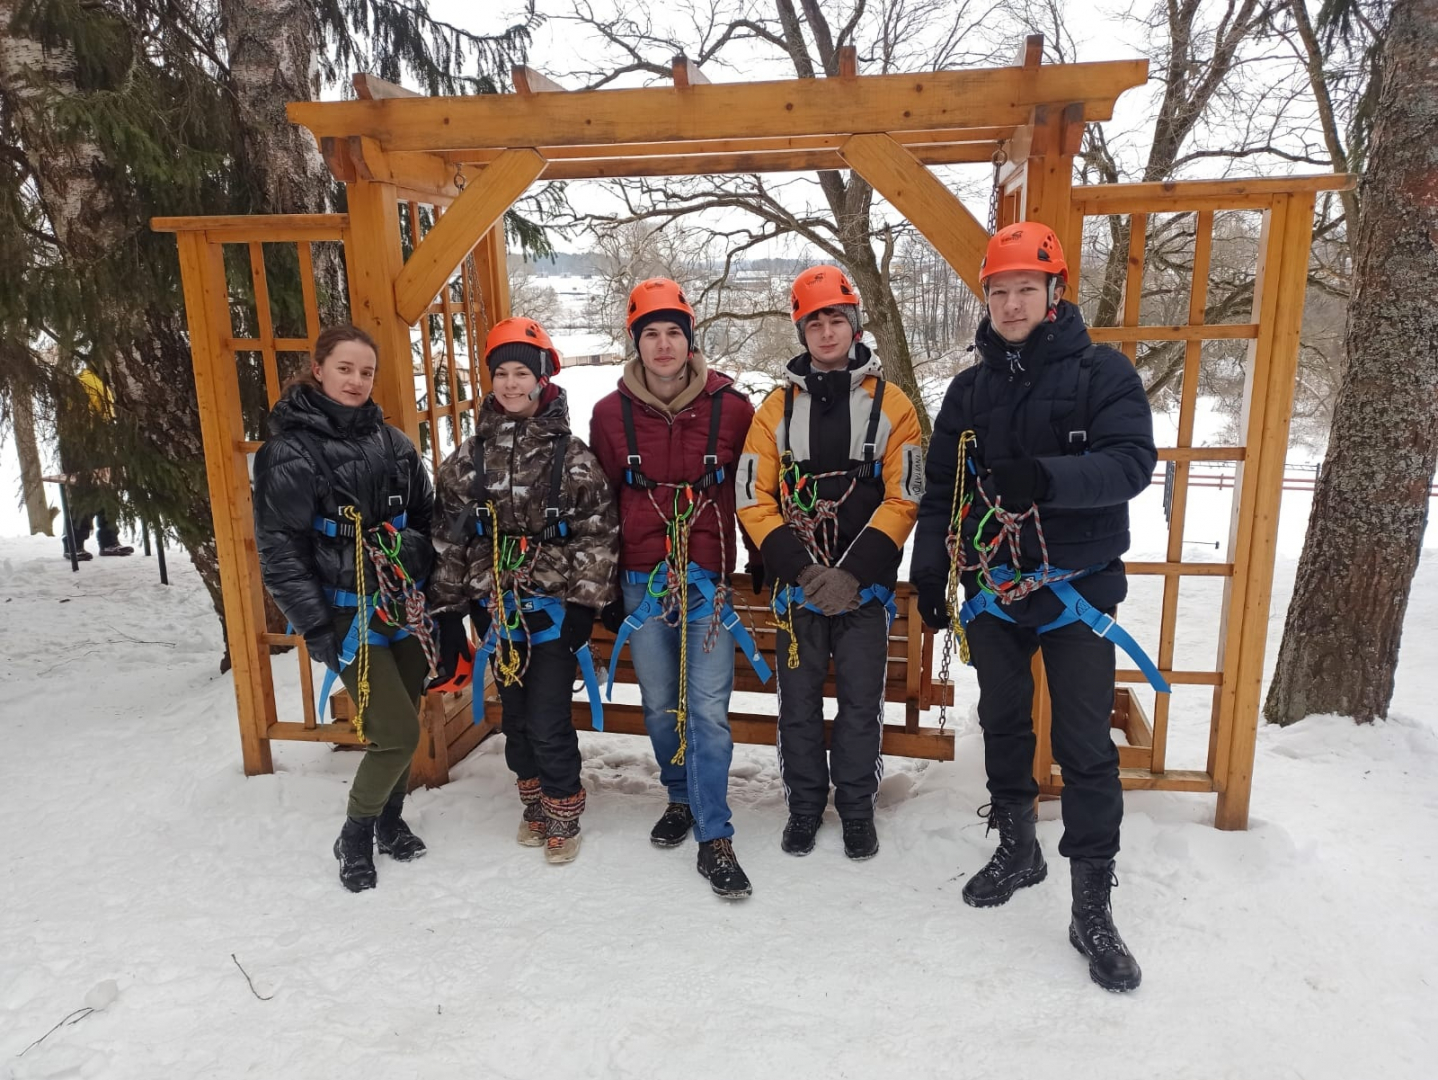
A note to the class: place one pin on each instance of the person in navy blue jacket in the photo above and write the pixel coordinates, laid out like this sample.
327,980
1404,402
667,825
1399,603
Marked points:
1056,437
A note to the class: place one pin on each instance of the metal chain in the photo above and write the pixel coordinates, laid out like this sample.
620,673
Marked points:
1001,158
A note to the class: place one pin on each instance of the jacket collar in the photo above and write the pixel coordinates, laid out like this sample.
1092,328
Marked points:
549,420
1065,336
308,407
633,382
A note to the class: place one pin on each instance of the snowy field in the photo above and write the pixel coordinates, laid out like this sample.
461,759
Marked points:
138,859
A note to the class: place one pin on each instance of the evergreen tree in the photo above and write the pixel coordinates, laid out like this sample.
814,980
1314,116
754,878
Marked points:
114,111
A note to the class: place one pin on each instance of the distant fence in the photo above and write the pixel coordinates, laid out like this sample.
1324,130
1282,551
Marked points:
1222,475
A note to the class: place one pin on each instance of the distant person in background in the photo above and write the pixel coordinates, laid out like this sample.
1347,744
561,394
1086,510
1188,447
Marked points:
83,503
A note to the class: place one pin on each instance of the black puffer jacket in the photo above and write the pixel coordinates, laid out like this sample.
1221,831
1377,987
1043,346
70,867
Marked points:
1081,410
369,463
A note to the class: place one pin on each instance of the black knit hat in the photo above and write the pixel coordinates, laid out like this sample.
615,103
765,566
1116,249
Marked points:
517,352
674,315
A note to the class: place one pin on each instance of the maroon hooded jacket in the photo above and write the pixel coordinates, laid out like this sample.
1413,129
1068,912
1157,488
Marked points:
672,449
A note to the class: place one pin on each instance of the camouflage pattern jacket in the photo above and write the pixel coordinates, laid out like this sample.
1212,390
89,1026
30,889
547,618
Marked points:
518,463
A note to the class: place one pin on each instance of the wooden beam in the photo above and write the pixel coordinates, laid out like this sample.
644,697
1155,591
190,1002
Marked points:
1071,129
422,176
917,194
335,152
687,73
1269,413
727,110
217,389
1031,52
276,227
848,62
790,161
470,216
1190,195
374,258
914,140
373,88
528,82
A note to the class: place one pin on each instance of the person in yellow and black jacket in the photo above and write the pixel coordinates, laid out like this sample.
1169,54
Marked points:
829,488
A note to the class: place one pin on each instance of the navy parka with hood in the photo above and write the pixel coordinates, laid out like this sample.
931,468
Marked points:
1081,410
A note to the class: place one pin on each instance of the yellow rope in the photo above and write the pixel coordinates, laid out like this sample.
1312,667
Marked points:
967,439
680,563
785,622
507,660
361,621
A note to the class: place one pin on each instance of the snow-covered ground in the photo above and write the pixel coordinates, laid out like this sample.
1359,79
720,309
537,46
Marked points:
135,853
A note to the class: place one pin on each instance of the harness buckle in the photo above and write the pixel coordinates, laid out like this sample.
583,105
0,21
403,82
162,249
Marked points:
1104,617
711,460
869,450
396,501
634,461
551,513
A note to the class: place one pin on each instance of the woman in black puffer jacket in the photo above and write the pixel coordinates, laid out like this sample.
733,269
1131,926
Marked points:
330,449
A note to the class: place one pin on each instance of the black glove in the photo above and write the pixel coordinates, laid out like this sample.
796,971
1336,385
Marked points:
934,606
755,570
612,616
480,619
323,647
577,626
453,646
1021,481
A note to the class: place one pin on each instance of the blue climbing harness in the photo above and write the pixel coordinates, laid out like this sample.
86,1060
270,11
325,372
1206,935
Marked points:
514,634
652,606
1076,609
349,648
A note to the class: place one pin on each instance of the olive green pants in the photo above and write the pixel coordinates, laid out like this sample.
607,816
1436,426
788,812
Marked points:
391,721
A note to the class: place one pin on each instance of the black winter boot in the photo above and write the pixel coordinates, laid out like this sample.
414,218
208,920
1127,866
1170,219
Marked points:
1017,863
392,835
861,841
1092,932
672,829
718,863
799,834
355,851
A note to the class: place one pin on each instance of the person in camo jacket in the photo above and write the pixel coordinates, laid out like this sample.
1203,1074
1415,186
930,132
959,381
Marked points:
554,527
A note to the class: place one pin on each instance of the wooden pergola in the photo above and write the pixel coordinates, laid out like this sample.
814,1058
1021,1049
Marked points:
434,176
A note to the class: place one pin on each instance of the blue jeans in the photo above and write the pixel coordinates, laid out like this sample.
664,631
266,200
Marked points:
703,780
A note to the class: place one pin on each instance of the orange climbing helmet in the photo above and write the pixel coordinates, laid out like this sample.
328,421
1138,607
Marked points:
658,299
525,332
1024,245
821,287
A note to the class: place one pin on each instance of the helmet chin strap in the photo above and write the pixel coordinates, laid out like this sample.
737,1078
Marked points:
1053,290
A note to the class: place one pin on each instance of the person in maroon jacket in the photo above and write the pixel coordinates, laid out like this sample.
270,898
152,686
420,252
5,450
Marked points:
670,439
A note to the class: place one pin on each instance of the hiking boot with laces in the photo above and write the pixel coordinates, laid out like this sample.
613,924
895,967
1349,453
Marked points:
1018,862
718,863
799,834
672,828
392,836
355,851
1091,930
861,840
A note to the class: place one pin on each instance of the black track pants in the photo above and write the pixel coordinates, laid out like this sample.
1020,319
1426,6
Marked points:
538,725
859,645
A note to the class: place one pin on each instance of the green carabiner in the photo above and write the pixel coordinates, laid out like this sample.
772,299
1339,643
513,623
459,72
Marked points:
652,575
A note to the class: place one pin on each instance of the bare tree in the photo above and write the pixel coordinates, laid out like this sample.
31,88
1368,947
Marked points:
834,213
1370,508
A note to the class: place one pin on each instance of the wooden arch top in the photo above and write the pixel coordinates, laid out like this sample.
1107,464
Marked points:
478,154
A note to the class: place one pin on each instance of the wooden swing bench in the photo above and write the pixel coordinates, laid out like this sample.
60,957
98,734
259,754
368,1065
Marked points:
449,732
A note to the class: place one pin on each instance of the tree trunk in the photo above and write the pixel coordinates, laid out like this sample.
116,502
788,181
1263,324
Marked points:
144,351
273,51
37,508
1345,622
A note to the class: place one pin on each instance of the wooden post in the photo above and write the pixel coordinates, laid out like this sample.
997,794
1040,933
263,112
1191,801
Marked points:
492,272
1048,176
217,386
1270,402
375,258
